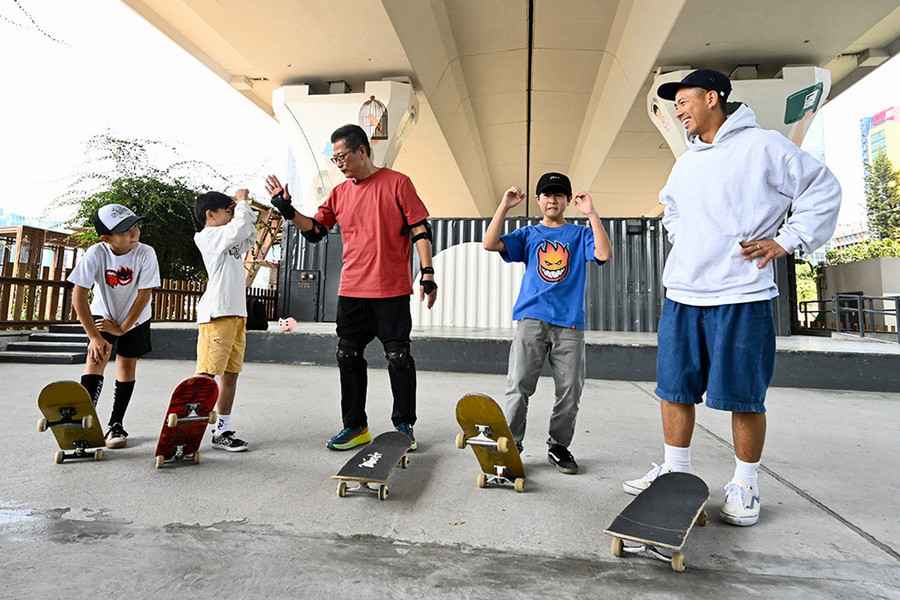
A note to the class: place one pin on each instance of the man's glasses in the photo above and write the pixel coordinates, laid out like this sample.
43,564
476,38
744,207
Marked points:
341,158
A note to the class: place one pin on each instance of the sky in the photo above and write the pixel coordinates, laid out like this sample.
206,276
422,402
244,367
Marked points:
110,70
113,71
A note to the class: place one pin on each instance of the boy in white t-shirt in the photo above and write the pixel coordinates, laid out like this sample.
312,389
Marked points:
123,272
227,230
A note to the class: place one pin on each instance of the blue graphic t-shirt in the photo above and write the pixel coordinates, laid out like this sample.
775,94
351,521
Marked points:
555,269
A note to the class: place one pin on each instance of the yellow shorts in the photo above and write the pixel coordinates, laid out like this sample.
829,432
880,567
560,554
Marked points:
221,344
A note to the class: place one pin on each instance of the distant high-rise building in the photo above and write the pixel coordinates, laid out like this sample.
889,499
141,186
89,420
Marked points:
881,133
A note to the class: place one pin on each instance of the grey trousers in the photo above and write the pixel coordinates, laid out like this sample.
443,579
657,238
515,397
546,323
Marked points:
533,342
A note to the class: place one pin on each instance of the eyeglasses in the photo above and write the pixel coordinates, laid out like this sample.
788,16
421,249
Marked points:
339,159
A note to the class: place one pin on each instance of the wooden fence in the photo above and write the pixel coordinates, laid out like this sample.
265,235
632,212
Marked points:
43,298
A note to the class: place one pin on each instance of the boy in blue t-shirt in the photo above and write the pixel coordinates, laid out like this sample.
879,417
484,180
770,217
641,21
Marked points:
550,307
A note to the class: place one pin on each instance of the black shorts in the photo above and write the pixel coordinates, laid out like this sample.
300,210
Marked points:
135,343
361,320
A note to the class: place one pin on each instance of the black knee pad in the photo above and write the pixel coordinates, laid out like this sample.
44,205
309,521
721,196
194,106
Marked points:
399,357
349,354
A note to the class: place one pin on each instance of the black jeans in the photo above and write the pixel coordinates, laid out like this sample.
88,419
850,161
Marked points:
359,321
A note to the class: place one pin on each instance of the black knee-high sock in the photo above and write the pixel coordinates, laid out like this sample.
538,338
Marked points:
120,401
93,384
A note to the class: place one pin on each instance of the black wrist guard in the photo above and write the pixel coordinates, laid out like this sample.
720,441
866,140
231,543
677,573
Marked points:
428,286
427,270
316,233
284,206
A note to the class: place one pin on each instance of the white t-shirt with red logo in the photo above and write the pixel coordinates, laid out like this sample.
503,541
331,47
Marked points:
116,279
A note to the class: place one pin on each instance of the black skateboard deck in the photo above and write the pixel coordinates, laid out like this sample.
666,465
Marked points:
661,516
372,465
70,415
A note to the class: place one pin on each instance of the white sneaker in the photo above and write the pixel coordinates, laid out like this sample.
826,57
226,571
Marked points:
636,486
741,504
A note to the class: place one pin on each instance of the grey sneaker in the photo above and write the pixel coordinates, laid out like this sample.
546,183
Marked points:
229,442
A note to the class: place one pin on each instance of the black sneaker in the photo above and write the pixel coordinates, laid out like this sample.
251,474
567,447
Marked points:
116,436
228,441
562,458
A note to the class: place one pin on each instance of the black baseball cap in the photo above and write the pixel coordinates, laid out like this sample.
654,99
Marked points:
114,218
210,201
701,78
554,183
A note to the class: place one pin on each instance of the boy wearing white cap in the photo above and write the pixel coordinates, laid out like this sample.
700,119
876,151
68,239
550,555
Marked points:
122,272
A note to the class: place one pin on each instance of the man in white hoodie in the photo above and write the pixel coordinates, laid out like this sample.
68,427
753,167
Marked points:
725,203
227,230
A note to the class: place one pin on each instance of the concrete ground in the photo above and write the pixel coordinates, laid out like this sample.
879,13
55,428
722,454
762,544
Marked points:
267,524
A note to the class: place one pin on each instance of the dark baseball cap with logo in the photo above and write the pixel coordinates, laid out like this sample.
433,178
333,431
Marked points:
701,78
554,183
114,218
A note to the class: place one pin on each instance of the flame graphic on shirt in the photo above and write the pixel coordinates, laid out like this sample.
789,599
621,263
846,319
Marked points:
552,261
121,277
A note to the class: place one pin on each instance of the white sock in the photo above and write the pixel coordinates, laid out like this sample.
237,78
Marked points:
746,472
679,459
224,424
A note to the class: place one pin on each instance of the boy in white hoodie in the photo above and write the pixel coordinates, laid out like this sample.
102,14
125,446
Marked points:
725,202
227,230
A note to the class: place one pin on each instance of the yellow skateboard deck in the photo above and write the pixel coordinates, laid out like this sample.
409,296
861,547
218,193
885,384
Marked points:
70,415
485,429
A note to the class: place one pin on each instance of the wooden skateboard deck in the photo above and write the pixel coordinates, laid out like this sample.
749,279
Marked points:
373,465
661,516
485,429
189,412
70,415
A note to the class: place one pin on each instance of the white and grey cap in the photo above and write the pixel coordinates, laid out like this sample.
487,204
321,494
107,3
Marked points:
114,218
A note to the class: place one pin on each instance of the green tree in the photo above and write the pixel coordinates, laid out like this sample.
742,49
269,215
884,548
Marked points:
882,186
126,171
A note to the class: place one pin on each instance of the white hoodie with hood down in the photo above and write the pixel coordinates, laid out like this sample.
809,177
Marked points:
737,188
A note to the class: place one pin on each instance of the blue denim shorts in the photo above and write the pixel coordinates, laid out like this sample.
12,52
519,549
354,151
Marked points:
726,351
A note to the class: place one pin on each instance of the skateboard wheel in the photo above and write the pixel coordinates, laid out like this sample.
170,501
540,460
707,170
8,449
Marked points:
482,480
172,420
701,518
160,460
342,489
503,444
98,454
59,457
519,484
42,424
213,417
616,547
195,457
382,492
678,562
460,440
87,422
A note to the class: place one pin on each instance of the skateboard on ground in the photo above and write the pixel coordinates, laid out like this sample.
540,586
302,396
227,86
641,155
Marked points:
485,429
661,516
372,465
190,411
70,415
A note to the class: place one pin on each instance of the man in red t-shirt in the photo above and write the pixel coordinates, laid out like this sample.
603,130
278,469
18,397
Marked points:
379,213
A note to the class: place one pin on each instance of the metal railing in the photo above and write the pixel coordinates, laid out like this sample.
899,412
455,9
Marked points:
854,313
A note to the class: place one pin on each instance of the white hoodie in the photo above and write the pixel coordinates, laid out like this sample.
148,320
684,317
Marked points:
739,188
223,250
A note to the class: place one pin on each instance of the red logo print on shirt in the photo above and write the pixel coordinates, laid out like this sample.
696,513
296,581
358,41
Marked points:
121,277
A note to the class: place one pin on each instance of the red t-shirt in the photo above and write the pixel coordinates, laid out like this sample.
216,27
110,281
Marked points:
373,214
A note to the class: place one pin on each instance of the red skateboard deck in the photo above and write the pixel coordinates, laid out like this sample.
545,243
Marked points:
190,411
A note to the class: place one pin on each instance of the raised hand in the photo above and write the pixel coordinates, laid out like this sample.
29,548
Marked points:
242,195
584,202
513,197
274,187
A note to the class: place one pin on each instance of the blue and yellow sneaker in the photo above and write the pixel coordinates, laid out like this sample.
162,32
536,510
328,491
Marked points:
349,437
408,430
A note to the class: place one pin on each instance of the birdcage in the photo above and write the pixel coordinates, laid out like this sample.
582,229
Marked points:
373,117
